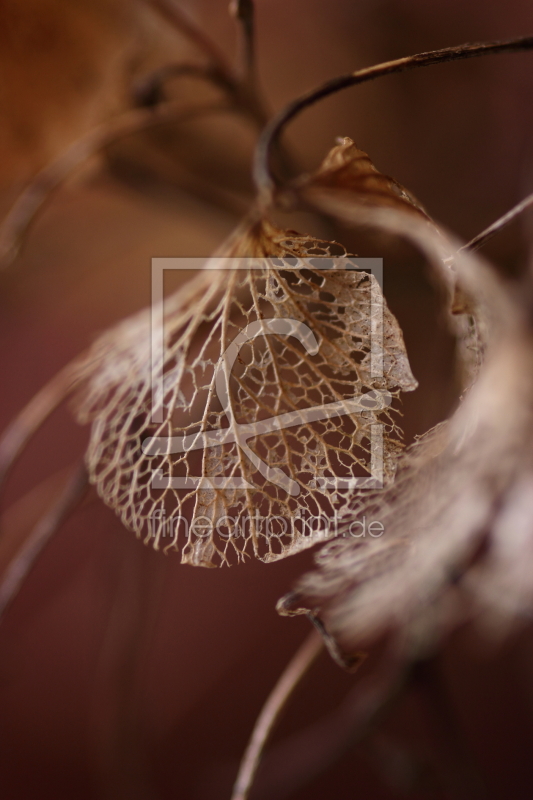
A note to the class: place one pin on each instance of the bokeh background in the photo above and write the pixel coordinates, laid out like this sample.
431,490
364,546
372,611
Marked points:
122,673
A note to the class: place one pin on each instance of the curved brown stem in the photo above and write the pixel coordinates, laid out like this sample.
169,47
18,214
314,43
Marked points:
289,679
265,180
148,91
25,209
173,13
244,11
299,759
242,87
29,420
43,531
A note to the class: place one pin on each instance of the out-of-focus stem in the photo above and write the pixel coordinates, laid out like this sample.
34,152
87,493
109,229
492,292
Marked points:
291,676
264,178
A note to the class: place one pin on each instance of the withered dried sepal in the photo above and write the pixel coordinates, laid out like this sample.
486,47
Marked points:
349,171
458,520
349,188
275,376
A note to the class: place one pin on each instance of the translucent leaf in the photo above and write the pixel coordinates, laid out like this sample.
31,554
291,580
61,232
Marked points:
218,408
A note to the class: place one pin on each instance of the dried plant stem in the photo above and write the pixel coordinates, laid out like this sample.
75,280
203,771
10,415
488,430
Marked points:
148,90
265,180
23,212
43,531
293,673
174,14
296,761
483,237
244,11
29,420
241,86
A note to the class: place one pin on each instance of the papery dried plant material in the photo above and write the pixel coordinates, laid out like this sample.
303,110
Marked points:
348,187
347,169
471,323
274,375
458,521
468,312
242,86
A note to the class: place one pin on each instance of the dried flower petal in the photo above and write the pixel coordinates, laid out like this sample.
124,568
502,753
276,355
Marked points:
274,375
457,521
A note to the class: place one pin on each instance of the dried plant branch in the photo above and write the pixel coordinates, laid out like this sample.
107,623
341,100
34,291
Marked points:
148,91
43,531
161,166
243,95
26,207
482,238
241,86
264,178
244,12
300,758
173,13
30,419
458,518
289,679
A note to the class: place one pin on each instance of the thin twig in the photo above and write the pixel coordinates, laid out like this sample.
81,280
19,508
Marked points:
242,87
293,673
299,759
228,201
244,100
27,422
244,12
25,209
148,91
173,13
265,181
483,237
43,531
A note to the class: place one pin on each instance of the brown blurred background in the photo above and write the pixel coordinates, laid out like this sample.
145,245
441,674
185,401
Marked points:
122,673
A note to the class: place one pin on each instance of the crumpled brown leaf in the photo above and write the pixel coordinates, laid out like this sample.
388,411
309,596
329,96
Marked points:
348,187
350,171
458,521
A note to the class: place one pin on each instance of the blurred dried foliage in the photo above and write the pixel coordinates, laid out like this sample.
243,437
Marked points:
457,512
64,68
145,86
